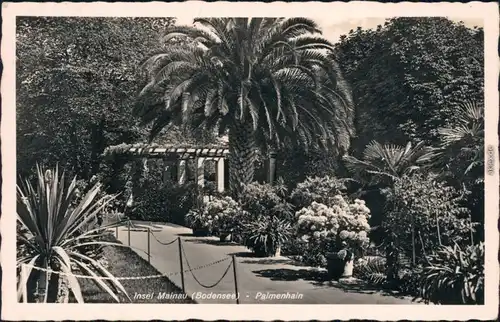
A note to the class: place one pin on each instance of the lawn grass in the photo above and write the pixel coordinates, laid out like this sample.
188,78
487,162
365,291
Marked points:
125,262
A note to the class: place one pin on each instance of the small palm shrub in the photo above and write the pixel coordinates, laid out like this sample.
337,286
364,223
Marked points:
264,225
56,235
371,269
454,276
266,235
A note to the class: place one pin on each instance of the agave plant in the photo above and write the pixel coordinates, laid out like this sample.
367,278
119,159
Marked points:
55,237
454,276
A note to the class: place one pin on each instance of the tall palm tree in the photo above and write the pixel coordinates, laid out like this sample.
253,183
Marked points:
266,82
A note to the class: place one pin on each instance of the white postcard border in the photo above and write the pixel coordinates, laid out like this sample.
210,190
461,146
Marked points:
18,311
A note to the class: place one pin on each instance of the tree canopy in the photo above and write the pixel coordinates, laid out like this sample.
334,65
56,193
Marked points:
409,77
76,83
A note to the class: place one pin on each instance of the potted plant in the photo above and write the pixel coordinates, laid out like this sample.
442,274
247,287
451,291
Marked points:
266,235
223,210
199,222
340,264
339,225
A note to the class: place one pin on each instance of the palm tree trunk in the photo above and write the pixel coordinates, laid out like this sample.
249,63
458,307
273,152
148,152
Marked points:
242,157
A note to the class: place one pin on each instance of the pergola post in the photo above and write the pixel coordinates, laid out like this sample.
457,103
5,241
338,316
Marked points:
200,172
181,171
167,175
200,177
271,167
219,172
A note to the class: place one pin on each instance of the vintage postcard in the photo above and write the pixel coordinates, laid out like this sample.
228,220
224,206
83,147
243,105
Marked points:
250,161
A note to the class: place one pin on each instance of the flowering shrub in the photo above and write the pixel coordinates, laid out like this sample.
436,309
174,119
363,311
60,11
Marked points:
340,222
224,212
197,218
218,213
319,189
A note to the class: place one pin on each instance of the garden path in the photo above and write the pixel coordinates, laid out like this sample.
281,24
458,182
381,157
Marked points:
255,275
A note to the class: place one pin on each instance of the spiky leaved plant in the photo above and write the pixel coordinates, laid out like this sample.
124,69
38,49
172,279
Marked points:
454,276
266,82
266,235
55,235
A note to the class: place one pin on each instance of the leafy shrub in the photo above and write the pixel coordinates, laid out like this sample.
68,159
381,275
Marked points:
409,281
436,212
266,200
454,276
308,252
335,224
265,222
167,202
312,162
180,199
319,189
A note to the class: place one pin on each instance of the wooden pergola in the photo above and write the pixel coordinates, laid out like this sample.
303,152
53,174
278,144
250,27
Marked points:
181,154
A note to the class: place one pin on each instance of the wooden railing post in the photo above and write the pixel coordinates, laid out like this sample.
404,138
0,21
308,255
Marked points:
182,266
235,281
149,245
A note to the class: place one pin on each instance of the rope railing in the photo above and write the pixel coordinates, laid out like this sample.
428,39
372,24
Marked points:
127,278
197,280
160,242
182,257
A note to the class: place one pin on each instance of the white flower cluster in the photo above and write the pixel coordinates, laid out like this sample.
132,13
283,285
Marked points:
219,211
348,221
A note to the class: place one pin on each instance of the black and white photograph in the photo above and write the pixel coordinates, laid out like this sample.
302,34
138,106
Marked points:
250,157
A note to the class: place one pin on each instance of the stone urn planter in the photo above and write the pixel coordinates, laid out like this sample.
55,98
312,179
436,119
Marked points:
225,236
339,267
277,252
261,251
